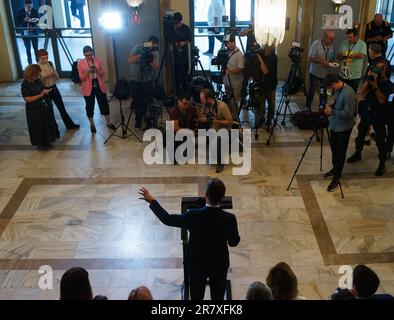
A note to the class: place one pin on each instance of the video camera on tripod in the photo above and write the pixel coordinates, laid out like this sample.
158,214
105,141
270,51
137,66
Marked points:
251,56
221,60
147,56
295,52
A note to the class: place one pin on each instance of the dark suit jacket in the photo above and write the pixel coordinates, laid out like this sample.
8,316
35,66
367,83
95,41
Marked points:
211,230
21,23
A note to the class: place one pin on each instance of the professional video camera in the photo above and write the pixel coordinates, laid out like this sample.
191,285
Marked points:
195,52
251,55
169,31
376,72
147,55
295,52
221,59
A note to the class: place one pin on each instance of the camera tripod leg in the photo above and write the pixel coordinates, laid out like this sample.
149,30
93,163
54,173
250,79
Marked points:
302,159
340,187
321,150
276,120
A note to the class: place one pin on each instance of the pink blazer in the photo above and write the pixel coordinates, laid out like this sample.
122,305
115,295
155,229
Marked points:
87,80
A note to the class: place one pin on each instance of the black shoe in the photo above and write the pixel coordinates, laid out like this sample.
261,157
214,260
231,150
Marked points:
219,168
381,170
329,174
111,126
74,127
334,185
367,142
354,158
93,129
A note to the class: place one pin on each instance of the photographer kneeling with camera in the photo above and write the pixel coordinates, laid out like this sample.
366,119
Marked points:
341,118
144,61
267,80
216,115
373,111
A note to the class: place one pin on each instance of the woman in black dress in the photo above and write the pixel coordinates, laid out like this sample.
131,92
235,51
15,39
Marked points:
43,129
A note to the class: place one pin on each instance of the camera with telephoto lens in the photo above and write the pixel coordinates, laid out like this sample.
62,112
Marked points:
376,72
251,57
295,52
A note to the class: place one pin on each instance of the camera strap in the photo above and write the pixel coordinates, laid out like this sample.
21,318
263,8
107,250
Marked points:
338,96
326,51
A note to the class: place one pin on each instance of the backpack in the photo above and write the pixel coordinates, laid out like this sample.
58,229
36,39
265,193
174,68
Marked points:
75,74
122,90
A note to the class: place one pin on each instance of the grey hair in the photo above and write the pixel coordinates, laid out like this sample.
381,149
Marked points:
259,291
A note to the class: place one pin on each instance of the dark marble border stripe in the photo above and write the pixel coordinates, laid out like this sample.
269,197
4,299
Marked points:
93,264
322,234
31,148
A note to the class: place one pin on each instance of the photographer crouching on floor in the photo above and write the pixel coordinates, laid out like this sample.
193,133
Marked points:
216,115
341,117
375,110
265,81
144,62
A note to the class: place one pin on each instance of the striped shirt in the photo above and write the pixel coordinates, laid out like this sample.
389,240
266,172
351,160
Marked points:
319,50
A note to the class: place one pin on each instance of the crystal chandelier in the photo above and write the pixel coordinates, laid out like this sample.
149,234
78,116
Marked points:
270,21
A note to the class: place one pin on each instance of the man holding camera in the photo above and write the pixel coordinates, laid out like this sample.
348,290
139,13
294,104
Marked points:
379,32
321,53
373,111
267,81
212,230
143,63
216,115
234,74
352,53
341,116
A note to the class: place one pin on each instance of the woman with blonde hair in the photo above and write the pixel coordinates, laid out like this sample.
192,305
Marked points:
43,129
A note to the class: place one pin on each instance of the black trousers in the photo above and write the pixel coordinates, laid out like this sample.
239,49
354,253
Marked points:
57,99
315,83
29,42
217,284
182,77
390,131
142,93
101,100
381,135
339,142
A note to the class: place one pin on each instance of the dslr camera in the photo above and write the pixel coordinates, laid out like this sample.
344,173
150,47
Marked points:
295,52
376,72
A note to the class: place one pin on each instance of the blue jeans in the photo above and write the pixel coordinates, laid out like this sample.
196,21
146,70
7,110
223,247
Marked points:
315,83
81,15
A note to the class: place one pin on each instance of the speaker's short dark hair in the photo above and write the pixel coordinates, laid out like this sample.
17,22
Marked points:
75,285
353,31
28,2
178,17
330,79
208,94
216,190
365,281
183,96
376,48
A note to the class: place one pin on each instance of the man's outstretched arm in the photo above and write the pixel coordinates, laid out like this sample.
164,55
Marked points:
171,220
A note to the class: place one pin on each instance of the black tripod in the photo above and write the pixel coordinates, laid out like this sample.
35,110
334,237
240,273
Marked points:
126,131
291,83
321,126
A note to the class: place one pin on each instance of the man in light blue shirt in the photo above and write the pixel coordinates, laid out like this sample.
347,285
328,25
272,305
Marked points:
352,53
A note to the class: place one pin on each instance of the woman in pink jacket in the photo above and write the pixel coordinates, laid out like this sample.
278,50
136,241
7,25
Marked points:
91,73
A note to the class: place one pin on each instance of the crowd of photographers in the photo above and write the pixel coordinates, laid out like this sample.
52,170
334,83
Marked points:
357,89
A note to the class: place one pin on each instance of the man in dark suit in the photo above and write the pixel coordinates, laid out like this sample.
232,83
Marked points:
211,231
27,18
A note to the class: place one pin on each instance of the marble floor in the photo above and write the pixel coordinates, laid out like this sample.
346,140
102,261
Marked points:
77,205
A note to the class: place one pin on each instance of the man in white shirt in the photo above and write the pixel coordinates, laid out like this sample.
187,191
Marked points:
216,11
